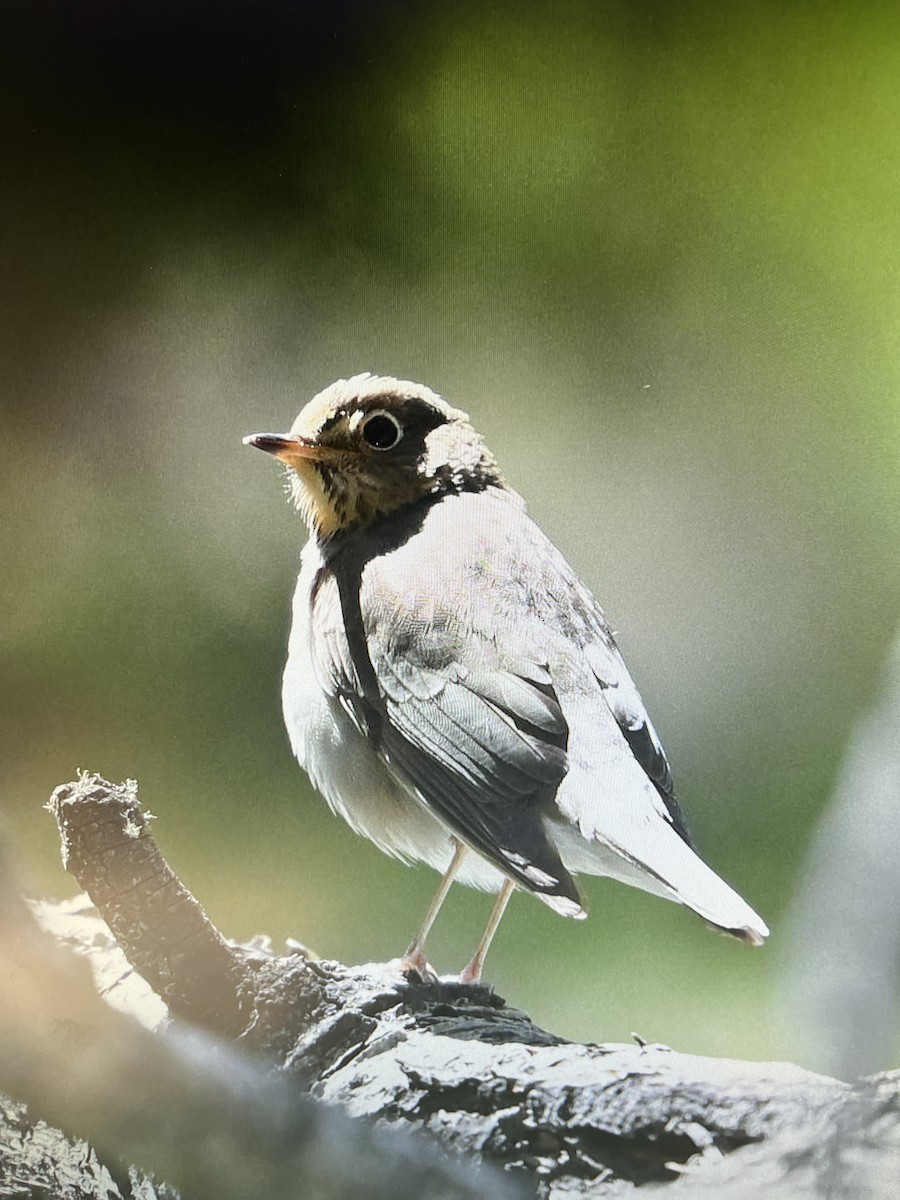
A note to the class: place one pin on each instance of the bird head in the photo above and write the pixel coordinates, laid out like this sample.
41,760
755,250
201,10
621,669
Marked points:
371,445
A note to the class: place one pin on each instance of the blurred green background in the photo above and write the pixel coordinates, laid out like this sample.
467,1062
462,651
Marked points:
652,249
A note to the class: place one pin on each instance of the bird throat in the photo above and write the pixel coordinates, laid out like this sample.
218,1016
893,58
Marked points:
332,500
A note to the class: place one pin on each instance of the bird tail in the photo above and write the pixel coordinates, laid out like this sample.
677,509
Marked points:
624,830
753,935
684,877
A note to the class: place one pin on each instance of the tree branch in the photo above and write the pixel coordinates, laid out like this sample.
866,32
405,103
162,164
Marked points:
444,1059
185,1106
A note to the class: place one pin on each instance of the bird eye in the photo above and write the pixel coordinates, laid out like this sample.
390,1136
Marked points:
381,431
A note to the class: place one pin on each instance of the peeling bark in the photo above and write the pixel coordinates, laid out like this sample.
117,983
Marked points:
452,1064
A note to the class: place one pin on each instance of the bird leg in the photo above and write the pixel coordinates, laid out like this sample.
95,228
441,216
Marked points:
472,973
414,959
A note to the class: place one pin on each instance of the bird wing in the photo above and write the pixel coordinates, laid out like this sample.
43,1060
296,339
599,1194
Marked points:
625,705
475,733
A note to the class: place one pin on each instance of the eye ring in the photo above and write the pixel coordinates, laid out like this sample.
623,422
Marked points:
381,430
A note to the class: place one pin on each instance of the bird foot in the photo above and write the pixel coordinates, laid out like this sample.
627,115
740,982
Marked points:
471,973
416,966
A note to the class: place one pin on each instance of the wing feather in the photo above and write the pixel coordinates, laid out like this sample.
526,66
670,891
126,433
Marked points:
482,747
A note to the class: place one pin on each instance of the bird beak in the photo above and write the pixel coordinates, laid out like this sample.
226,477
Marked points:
289,447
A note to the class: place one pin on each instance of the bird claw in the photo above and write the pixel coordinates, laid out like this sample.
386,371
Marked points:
471,974
417,968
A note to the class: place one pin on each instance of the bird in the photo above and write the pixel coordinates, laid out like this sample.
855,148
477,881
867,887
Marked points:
452,688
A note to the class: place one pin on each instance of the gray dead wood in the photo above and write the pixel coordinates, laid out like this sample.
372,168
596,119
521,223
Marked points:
185,1106
454,1064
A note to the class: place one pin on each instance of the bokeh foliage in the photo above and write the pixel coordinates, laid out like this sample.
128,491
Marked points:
651,248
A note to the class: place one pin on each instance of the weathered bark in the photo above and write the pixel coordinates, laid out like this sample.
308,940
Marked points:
182,1104
439,1058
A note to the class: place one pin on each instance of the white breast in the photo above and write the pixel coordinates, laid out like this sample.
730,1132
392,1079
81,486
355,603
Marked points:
346,770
